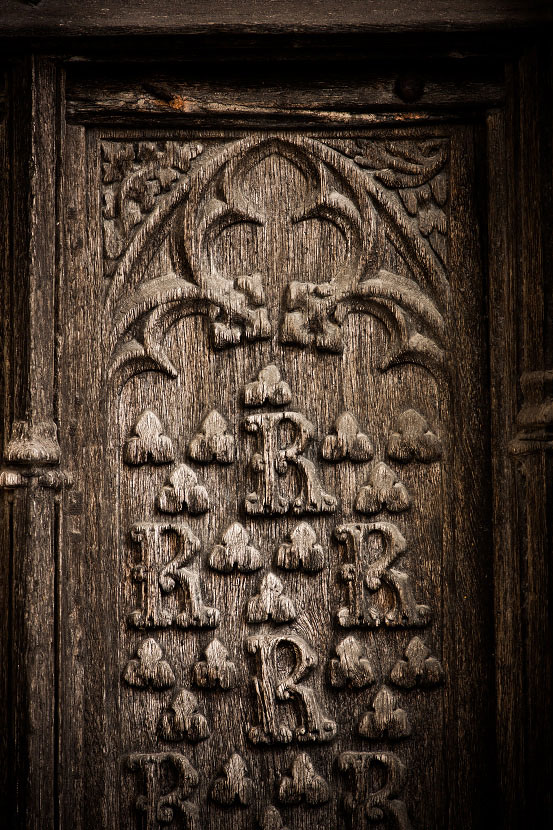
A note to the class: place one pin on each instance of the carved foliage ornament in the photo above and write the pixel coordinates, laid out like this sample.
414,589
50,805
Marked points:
193,205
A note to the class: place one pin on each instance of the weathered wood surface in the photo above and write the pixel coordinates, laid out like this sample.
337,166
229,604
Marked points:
275,580
67,17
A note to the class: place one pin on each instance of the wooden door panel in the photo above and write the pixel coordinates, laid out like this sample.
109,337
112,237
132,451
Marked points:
276,601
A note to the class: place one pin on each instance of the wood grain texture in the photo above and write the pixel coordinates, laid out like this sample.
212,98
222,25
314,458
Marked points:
301,576
54,16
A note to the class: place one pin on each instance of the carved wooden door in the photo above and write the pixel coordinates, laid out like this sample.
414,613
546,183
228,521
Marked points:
251,508
278,555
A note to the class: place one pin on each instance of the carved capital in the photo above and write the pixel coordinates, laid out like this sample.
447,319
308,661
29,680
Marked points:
33,442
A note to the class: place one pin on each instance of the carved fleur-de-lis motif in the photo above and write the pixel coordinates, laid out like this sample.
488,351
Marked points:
216,671
271,820
235,552
183,720
347,442
269,388
159,807
413,440
147,442
385,720
383,491
352,668
233,788
148,669
303,784
374,797
418,668
212,442
183,492
302,552
271,603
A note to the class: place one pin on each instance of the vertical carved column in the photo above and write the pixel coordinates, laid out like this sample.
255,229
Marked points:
31,444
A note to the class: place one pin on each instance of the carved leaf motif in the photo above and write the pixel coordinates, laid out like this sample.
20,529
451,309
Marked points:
303,784
234,787
385,721
413,440
136,177
182,492
235,552
302,552
347,442
148,443
183,720
383,491
414,171
352,668
267,389
418,669
216,670
213,442
271,820
271,603
149,669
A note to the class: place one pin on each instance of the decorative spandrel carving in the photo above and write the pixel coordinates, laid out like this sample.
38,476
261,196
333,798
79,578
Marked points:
149,669
367,571
302,552
212,443
147,443
271,603
278,492
418,669
382,491
376,782
352,669
183,492
235,552
159,803
268,390
272,691
183,721
234,788
347,441
216,671
385,721
303,784
159,574
140,179
413,440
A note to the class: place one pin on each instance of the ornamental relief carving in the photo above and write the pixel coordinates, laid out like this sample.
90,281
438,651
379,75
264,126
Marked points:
279,539
191,197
